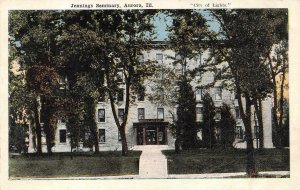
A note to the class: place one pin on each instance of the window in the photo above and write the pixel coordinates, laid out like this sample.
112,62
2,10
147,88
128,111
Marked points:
160,113
121,115
62,136
119,77
198,58
159,56
218,115
119,136
199,114
237,113
198,92
218,94
102,135
255,116
87,135
141,113
160,73
101,115
62,82
232,96
120,97
63,120
178,71
218,75
239,132
141,58
177,56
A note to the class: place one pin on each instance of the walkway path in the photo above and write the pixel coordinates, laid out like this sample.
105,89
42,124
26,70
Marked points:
153,164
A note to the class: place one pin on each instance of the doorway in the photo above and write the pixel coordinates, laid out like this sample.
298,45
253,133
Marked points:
151,136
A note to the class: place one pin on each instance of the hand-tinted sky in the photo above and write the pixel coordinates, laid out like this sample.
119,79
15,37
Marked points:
162,21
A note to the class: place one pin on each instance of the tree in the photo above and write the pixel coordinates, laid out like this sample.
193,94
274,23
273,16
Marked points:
35,32
114,41
81,36
123,56
186,127
188,31
278,65
209,124
246,44
227,127
20,115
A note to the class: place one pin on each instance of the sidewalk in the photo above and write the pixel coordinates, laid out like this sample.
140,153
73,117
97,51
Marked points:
171,176
225,175
153,164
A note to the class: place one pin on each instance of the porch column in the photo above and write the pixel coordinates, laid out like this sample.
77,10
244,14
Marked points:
166,135
136,136
157,135
144,136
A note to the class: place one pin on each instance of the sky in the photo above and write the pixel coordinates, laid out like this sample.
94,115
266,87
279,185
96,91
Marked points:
162,21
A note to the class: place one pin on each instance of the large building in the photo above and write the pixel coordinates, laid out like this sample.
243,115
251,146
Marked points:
148,121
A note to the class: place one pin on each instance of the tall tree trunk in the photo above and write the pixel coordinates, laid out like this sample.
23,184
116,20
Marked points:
276,130
47,128
258,109
121,127
124,142
46,113
251,170
246,117
281,105
37,127
91,109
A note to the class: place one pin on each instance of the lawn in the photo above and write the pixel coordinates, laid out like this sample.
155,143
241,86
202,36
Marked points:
225,161
80,164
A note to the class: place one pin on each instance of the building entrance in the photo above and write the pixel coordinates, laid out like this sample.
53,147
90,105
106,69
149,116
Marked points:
151,133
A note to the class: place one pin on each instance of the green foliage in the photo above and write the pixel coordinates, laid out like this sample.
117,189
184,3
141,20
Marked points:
209,124
97,46
36,32
17,137
227,126
186,127
164,89
20,105
89,119
188,31
248,37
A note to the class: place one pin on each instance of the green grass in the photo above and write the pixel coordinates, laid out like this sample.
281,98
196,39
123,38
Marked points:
81,164
225,161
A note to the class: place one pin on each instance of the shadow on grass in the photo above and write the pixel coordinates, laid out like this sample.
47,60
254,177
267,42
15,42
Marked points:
110,163
198,161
